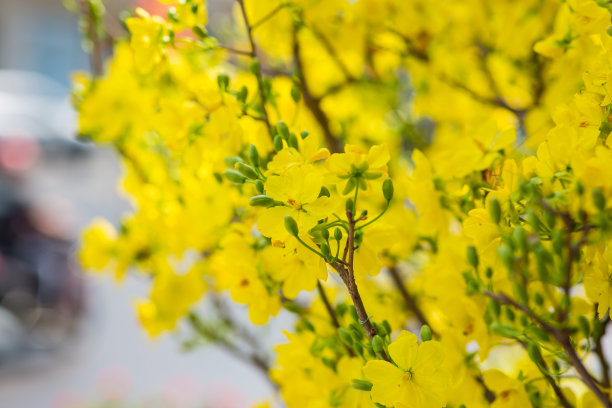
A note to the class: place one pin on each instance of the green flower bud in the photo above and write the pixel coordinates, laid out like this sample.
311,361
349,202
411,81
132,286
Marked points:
247,171
380,329
223,82
295,93
292,141
337,234
358,348
345,336
388,189
325,234
361,385
283,129
231,161
378,344
426,333
348,206
584,326
598,199
495,210
199,31
291,226
387,326
325,250
507,256
538,299
234,176
534,353
242,94
494,308
523,320
472,256
304,134
254,67
254,156
278,143
509,314
489,272
261,201
259,186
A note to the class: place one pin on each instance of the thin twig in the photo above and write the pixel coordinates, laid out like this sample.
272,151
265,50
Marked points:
408,299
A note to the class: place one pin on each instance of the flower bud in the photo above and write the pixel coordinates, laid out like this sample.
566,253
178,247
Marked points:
295,93
254,156
223,82
534,353
261,201
234,176
242,94
377,344
388,189
325,250
199,31
426,333
361,385
348,206
304,134
598,199
247,171
291,226
254,67
282,129
259,186
495,210
494,308
278,143
324,192
337,234
292,141
472,256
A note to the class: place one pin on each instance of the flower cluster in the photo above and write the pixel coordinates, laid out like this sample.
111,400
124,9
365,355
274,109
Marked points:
415,165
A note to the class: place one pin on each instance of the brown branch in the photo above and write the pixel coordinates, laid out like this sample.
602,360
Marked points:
563,339
408,299
313,103
259,76
603,361
328,307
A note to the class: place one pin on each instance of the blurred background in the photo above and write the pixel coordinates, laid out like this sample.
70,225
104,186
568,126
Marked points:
69,340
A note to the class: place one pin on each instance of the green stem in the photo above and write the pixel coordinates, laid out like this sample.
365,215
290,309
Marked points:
377,217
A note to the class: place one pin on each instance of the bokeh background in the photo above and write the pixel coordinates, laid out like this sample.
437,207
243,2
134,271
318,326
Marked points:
68,340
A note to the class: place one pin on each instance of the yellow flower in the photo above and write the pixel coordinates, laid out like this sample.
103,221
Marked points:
418,380
146,38
510,392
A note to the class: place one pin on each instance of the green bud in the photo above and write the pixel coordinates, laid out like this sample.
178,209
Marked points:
358,237
259,186
304,134
495,210
292,141
538,299
293,308
234,176
358,348
231,161
509,314
283,129
489,272
426,333
341,309
291,225
337,234
254,67
494,308
247,171
598,199
380,329
519,236
378,344
200,31
361,385
584,326
278,143
472,256
242,94
348,206
523,320
387,326
345,336
363,214
295,93
223,82
507,256
254,156
325,250
261,201
388,189
534,353
325,234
